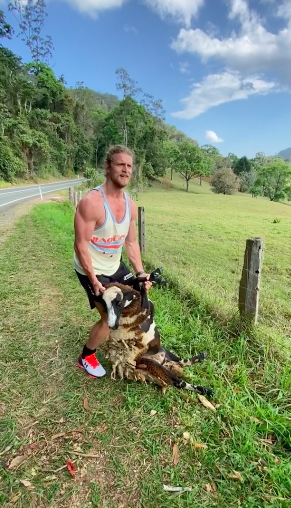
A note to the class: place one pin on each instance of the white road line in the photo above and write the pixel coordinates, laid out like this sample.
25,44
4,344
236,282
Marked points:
31,196
12,191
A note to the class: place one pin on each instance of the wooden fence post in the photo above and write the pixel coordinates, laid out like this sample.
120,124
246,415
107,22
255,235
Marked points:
80,196
141,228
250,280
76,198
70,194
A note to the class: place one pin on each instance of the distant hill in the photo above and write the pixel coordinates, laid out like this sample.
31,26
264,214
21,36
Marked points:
93,99
285,154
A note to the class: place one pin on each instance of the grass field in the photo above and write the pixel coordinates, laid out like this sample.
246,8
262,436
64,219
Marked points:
199,238
120,435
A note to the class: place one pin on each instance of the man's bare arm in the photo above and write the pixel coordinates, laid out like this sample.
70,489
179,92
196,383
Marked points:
131,244
87,214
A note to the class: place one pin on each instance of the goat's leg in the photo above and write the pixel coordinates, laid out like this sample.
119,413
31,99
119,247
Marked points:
180,383
169,356
160,372
194,359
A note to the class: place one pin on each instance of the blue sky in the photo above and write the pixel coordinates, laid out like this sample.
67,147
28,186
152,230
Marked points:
221,67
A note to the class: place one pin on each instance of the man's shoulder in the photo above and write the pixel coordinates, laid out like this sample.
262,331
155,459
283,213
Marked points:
94,197
91,204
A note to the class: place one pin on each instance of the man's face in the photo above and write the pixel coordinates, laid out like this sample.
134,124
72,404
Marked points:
120,169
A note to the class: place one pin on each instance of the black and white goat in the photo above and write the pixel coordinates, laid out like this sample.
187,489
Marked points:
134,346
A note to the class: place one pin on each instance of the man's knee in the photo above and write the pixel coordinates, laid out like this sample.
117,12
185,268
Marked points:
103,314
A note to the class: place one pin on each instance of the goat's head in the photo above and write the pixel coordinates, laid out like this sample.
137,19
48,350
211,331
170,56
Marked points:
116,298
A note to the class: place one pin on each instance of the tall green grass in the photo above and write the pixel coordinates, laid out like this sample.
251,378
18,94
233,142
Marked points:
45,322
199,237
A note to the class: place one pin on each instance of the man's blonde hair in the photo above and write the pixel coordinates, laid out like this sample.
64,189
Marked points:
117,149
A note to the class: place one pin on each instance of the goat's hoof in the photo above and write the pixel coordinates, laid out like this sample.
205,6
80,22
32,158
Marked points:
205,391
199,358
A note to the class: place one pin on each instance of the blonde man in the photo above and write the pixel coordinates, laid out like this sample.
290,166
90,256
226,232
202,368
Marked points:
105,222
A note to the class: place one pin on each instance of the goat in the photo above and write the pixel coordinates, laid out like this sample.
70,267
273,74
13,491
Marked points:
134,345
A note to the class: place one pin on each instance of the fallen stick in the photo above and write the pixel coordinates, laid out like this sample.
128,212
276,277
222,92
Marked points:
90,455
168,488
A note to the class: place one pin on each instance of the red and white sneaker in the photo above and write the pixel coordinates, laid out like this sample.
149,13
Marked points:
91,365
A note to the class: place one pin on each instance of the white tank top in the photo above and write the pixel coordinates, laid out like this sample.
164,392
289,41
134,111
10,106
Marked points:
106,243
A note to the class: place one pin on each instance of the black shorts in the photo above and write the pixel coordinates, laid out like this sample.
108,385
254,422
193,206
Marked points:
123,276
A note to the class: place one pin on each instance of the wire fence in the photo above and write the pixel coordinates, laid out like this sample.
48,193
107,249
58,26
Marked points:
266,295
261,281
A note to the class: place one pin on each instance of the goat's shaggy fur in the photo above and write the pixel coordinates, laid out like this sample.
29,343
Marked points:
134,347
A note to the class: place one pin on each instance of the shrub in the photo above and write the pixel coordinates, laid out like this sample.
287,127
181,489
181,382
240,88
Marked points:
224,181
94,177
10,165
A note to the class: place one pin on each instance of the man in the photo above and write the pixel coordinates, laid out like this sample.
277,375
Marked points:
105,221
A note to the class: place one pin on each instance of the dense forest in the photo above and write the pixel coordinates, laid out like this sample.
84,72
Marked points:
47,128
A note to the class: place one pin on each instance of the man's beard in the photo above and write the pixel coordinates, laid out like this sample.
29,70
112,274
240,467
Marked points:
119,183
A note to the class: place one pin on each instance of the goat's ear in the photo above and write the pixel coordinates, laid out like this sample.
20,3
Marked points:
144,298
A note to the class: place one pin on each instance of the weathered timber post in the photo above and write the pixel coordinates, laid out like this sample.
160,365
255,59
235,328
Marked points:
76,198
71,194
80,196
250,280
141,228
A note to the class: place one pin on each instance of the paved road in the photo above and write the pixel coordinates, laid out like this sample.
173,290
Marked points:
14,196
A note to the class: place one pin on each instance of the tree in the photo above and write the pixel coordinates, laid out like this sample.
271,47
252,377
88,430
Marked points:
274,180
224,181
189,162
99,123
171,154
211,150
233,158
126,84
209,162
247,180
30,16
153,106
51,92
10,165
130,90
260,159
175,135
243,165
5,29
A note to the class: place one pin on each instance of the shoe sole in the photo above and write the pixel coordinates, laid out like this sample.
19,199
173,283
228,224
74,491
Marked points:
84,370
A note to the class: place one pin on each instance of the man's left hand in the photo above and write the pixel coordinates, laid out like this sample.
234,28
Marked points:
147,284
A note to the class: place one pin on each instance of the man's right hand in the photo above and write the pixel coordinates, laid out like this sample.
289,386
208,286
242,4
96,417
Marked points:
97,287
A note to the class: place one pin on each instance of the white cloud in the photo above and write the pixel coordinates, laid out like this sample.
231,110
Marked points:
128,28
284,10
212,136
254,59
184,67
181,10
250,49
93,7
219,88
